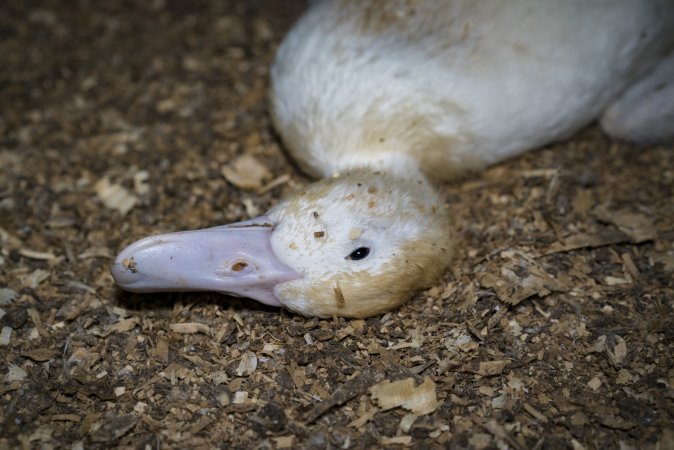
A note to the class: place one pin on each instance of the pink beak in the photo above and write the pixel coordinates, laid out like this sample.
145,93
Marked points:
235,259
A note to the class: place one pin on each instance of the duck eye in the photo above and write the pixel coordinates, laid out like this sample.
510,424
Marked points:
359,253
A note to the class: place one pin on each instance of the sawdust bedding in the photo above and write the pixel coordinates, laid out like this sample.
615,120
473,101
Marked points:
553,329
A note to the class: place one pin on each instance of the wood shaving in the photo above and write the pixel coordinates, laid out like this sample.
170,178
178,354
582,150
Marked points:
140,184
247,364
490,368
420,400
407,422
124,325
520,278
32,254
5,336
246,172
617,356
594,383
40,354
190,328
276,182
115,196
397,440
7,296
15,373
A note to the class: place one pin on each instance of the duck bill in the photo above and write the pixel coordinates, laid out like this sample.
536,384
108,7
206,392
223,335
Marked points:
235,259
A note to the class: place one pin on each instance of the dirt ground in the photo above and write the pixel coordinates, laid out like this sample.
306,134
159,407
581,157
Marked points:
119,119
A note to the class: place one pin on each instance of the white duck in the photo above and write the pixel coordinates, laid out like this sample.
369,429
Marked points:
390,95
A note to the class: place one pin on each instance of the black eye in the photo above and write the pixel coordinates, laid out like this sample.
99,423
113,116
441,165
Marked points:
359,253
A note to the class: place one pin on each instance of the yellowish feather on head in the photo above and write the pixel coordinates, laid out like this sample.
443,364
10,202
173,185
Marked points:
400,221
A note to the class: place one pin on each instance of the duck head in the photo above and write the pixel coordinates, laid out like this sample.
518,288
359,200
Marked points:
353,245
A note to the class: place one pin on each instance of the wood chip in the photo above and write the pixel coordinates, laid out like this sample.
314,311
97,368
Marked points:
638,227
66,417
240,397
624,377
279,181
486,368
499,432
246,172
15,373
363,418
124,325
397,440
201,424
629,265
666,440
420,400
614,281
113,427
284,442
115,196
140,184
594,383
406,422
490,368
247,364
518,280
190,328
480,441
297,375
140,407
5,336
616,422
535,413
251,209
161,350
602,239
40,354
619,352
354,387
35,278
40,256
7,296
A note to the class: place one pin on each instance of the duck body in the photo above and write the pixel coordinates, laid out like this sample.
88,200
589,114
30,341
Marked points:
382,98
456,85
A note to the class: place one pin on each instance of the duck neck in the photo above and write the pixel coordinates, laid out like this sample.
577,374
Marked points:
398,164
